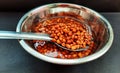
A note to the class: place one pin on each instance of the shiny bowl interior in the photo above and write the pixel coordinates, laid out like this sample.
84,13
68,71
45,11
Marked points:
100,27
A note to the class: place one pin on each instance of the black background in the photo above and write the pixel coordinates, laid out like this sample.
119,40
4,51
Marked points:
25,5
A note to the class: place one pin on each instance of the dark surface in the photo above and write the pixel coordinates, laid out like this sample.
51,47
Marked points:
14,59
25,5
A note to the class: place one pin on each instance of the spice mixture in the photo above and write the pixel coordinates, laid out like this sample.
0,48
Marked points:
66,31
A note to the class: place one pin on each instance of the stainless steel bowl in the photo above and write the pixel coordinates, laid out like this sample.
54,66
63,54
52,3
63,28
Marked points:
100,27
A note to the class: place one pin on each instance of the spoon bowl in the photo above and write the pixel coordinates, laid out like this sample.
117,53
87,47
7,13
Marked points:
79,49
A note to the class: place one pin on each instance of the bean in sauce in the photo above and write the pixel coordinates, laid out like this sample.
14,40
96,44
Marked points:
66,31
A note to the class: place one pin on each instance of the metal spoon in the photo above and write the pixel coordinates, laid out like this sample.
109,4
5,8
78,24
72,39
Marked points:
32,36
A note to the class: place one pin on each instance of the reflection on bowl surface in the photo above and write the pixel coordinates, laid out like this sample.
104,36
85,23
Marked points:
94,29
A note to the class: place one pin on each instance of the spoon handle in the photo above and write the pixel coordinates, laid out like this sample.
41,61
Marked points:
24,35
